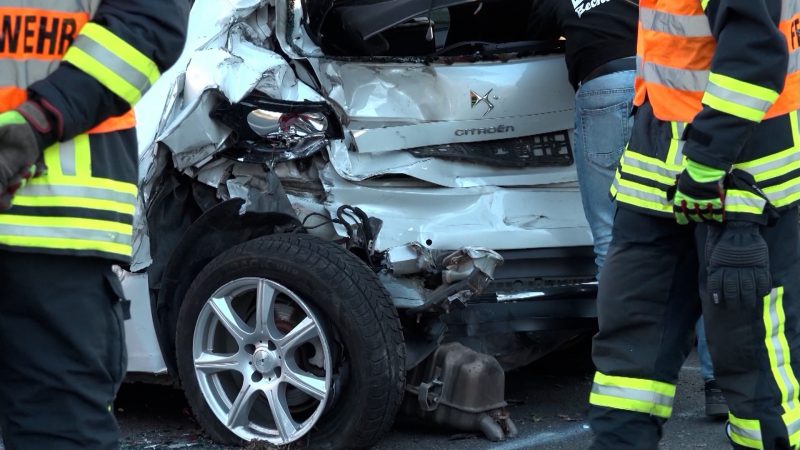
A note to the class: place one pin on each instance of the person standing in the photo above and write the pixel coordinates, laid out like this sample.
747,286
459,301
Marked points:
601,48
71,72
717,95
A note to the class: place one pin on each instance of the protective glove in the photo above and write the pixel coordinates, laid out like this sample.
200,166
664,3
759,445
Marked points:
738,264
700,194
24,133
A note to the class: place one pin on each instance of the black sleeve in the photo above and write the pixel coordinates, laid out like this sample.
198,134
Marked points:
154,30
748,72
543,23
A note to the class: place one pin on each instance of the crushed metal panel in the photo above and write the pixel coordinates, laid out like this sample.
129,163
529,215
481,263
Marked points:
442,218
194,136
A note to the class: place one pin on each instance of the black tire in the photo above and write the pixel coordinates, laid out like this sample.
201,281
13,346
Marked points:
359,316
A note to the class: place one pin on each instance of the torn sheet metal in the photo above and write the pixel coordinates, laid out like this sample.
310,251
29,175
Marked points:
260,189
408,259
460,264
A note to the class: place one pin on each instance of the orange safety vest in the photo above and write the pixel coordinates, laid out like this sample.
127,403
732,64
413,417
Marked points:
674,51
33,40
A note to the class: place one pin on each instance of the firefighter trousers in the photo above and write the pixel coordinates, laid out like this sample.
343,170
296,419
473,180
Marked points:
62,352
651,294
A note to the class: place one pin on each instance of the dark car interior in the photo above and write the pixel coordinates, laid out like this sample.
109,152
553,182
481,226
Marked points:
421,28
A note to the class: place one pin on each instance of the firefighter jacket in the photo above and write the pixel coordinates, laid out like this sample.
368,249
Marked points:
718,82
90,60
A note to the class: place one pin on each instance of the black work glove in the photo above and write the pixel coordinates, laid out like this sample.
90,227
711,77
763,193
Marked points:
24,133
738,264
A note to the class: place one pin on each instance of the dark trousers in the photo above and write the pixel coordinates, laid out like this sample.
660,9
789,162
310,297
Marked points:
62,352
651,294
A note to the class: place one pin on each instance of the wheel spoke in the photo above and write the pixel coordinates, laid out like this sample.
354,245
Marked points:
306,382
239,415
265,310
211,363
303,332
229,319
286,425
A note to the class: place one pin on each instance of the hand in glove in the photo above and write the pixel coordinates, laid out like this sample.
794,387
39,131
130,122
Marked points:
700,194
24,133
738,264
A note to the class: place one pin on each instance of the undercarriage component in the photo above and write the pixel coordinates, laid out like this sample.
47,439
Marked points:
460,388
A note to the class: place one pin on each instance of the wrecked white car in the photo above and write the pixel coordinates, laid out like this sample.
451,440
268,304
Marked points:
355,207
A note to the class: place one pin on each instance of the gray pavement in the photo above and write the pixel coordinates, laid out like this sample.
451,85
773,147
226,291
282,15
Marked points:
548,405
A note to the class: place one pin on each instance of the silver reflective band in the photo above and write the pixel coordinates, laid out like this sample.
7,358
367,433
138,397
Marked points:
776,196
789,9
113,62
737,97
681,79
787,160
781,359
652,168
747,434
732,199
640,194
633,394
68,233
49,190
674,24
66,156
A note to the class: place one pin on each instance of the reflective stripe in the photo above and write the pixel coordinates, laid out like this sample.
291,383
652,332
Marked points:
738,98
678,25
675,153
681,79
792,421
776,164
91,193
789,9
636,194
745,432
649,168
778,349
113,62
65,233
737,201
783,194
66,157
633,394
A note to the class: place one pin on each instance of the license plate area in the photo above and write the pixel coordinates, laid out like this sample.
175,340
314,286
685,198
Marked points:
541,150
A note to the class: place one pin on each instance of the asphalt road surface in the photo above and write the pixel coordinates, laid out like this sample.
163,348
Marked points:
548,405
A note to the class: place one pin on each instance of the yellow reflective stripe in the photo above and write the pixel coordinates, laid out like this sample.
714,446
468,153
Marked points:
742,87
98,183
654,161
66,244
83,156
74,202
792,421
734,109
778,349
675,153
633,394
658,387
783,194
52,159
704,4
630,405
745,432
102,74
738,98
123,50
66,222
630,167
737,201
633,193
776,164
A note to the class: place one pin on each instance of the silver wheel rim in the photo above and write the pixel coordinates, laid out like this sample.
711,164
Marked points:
262,360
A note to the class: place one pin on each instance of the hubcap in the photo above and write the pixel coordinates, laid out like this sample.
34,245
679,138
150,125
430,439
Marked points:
262,360
265,360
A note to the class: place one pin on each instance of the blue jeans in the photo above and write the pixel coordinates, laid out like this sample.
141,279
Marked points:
603,124
706,367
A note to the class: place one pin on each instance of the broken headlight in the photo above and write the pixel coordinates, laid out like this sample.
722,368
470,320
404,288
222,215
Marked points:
266,130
